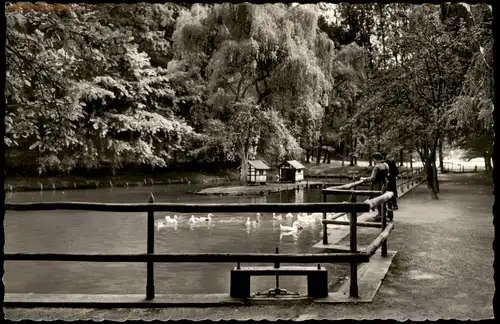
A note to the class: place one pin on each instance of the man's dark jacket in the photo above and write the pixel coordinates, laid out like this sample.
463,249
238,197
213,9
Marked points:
393,173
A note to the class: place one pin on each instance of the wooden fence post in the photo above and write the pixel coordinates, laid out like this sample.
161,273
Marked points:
150,284
384,225
325,227
353,288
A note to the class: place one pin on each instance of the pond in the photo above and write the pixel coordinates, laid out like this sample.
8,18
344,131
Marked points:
97,232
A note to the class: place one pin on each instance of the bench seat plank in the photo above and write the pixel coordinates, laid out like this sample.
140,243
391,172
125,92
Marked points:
281,271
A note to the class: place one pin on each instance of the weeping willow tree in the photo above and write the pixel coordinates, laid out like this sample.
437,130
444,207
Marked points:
265,83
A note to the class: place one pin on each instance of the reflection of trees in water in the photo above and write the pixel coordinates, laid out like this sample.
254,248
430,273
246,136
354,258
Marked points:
258,199
299,196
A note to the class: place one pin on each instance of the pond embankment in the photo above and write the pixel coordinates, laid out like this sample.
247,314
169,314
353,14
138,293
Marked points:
224,182
16,184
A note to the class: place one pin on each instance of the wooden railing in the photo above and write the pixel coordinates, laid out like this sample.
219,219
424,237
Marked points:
409,178
457,168
406,177
150,257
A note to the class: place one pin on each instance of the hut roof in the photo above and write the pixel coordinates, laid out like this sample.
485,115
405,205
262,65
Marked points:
259,165
295,164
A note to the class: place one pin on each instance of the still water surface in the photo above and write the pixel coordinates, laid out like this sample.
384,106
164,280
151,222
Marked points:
96,232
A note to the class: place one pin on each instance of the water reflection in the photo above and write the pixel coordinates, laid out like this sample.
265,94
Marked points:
299,196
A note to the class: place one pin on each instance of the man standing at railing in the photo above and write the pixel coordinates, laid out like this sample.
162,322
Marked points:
391,185
378,178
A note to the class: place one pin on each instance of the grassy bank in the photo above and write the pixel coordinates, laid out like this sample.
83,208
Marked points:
119,180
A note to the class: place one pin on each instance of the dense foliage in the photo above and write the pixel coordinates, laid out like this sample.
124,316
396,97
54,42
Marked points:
139,84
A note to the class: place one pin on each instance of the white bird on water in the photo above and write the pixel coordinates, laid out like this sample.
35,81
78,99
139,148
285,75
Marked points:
289,215
248,223
170,220
208,218
276,217
163,223
294,228
194,220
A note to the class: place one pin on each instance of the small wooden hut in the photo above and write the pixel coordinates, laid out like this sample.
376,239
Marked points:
256,172
291,171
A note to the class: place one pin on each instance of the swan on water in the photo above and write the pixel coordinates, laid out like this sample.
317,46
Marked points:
289,215
295,226
170,220
208,218
276,217
193,220
248,222
162,223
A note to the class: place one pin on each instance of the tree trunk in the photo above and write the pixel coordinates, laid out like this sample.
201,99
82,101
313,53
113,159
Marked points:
487,161
411,161
318,157
354,149
325,157
435,178
351,150
430,178
308,156
440,147
369,155
401,157
243,167
429,157
329,157
343,154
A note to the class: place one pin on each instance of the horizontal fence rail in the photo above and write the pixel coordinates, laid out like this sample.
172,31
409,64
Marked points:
360,224
189,208
382,199
350,185
335,191
191,257
372,248
150,257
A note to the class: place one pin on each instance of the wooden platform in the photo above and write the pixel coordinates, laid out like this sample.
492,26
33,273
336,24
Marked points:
370,277
118,301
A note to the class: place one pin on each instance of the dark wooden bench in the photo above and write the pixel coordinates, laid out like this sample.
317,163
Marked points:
317,279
